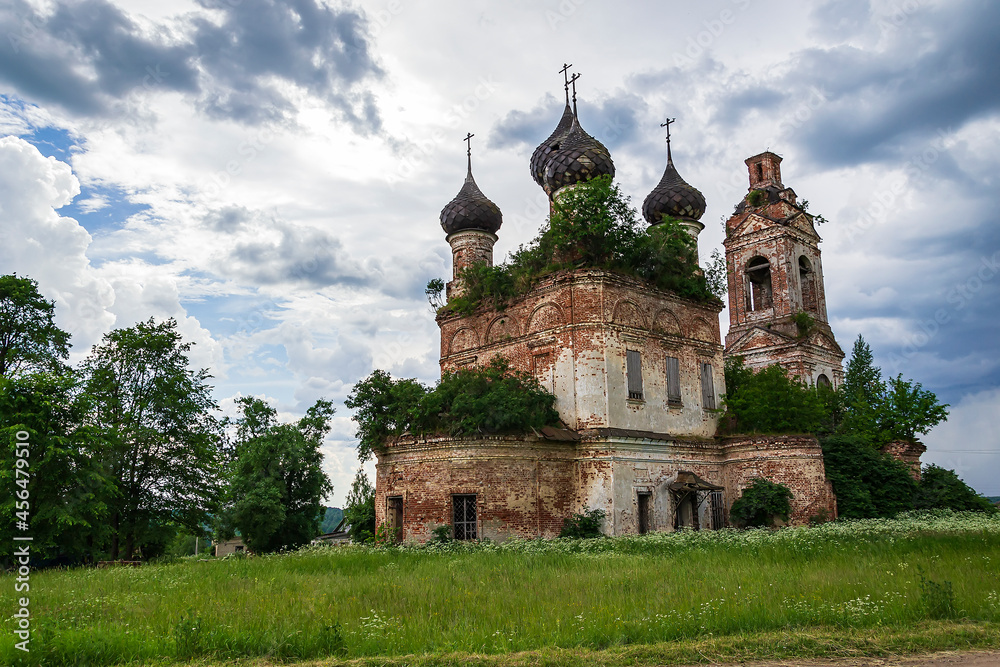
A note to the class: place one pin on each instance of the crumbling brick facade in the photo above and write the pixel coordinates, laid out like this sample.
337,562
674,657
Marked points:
637,373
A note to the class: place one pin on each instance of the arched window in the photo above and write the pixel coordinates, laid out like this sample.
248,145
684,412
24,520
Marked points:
822,380
759,293
807,283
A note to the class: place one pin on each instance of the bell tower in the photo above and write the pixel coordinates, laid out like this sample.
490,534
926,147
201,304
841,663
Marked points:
777,301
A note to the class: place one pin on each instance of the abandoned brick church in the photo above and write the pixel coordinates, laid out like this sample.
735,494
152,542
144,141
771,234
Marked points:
637,372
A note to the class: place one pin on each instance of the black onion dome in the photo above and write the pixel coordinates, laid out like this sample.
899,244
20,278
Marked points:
579,158
541,154
470,209
673,197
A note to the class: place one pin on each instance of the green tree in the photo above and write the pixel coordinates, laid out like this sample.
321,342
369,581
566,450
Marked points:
161,440
761,503
867,483
276,482
768,401
864,391
68,491
908,410
29,339
359,510
490,399
383,408
943,489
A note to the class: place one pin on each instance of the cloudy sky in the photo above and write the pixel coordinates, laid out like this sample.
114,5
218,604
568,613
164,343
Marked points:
270,172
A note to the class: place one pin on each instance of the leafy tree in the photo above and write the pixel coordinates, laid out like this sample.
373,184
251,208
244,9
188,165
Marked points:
768,401
68,498
867,482
760,503
383,408
160,440
359,510
907,410
881,411
276,481
29,339
489,399
943,489
717,275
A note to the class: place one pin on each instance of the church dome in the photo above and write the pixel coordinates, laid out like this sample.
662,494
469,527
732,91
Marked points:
471,209
579,158
541,154
673,197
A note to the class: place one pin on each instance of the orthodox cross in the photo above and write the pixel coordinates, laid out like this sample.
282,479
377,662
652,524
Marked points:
572,81
468,142
565,72
666,124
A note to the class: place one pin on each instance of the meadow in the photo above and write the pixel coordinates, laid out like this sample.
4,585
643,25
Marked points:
919,581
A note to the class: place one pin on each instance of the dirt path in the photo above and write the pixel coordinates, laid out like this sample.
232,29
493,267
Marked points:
949,659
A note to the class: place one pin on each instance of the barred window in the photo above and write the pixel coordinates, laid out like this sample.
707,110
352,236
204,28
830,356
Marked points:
633,373
707,387
464,518
673,381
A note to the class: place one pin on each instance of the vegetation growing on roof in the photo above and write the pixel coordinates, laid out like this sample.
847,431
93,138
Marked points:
592,225
493,399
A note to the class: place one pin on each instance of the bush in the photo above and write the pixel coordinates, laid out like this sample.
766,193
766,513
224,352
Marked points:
768,401
943,489
867,482
586,524
493,399
761,503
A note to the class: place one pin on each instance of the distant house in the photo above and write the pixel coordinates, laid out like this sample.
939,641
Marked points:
339,535
229,547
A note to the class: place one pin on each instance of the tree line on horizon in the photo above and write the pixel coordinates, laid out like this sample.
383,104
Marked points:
126,452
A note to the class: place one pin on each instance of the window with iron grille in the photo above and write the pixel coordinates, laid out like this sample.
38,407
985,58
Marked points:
633,373
707,387
464,517
673,381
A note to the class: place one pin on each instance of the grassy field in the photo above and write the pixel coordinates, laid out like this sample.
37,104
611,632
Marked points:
658,594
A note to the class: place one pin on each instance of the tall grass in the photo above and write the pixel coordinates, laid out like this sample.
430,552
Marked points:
519,595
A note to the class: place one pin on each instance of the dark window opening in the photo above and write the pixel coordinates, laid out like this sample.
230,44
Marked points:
633,373
759,292
822,380
239,548
464,517
759,169
707,387
807,283
673,381
394,517
643,503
